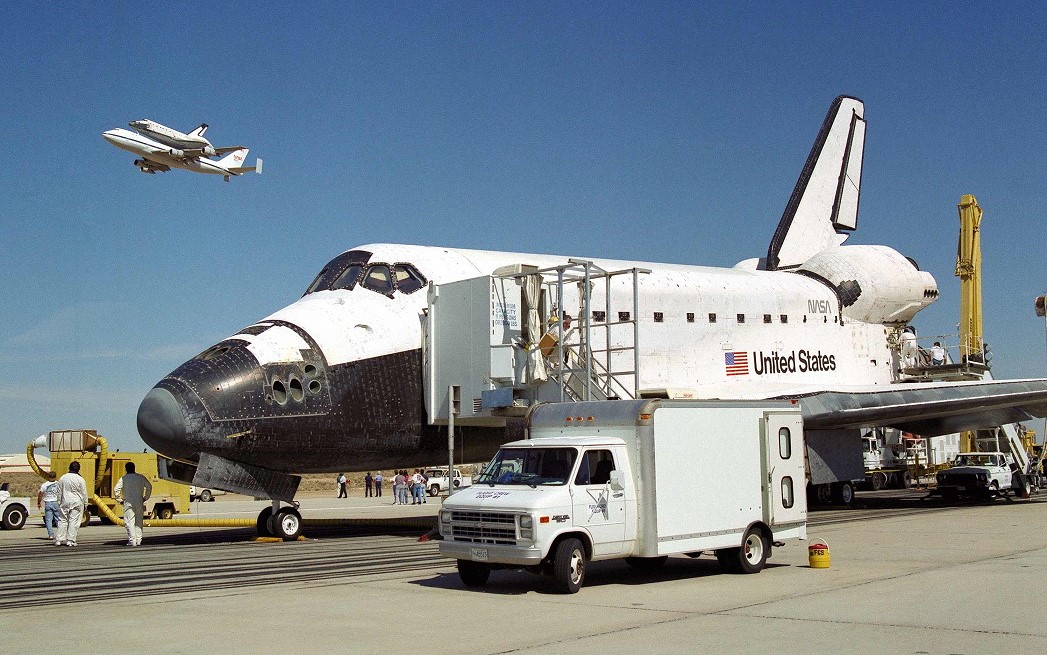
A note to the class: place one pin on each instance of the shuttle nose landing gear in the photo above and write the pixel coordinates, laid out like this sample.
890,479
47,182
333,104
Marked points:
281,522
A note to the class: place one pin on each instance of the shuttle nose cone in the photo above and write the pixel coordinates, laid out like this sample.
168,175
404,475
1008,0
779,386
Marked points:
161,423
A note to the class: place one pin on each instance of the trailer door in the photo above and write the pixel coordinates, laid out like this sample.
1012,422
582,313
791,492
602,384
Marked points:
784,493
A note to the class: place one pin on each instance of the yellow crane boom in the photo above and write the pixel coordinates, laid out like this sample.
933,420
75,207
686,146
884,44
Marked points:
969,270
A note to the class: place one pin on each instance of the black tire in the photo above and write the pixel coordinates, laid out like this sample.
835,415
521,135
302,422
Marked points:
820,494
843,493
206,496
904,480
695,555
434,490
877,481
286,524
750,557
164,513
14,517
262,524
473,574
569,565
647,563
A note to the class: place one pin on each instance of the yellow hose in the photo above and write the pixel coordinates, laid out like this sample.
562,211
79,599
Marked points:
103,452
31,458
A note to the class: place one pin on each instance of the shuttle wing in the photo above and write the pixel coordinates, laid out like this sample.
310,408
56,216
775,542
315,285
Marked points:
928,409
227,149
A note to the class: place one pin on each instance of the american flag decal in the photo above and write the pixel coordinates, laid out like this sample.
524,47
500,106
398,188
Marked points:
736,363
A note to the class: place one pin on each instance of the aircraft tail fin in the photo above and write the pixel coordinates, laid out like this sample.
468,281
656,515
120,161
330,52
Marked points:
823,207
200,130
233,159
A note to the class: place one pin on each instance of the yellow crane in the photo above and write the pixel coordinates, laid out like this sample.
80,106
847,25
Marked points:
969,270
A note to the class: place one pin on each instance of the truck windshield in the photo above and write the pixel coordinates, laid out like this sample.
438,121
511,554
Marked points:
530,466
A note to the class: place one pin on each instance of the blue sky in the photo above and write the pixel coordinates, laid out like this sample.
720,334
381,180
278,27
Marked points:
649,131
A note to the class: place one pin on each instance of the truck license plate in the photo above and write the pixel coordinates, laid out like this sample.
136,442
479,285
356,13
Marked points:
478,554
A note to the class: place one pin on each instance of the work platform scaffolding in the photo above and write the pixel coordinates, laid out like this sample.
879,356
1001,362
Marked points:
526,334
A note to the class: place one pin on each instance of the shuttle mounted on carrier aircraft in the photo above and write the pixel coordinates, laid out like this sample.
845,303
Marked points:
162,148
358,373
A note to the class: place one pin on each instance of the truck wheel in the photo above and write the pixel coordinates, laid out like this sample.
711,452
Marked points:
569,565
473,574
434,490
164,512
262,524
750,557
994,489
843,492
877,481
14,517
646,563
820,494
286,524
905,480
206,496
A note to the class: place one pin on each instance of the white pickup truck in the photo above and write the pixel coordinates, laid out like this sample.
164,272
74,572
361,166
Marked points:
13,513
975,474
438,480
204,495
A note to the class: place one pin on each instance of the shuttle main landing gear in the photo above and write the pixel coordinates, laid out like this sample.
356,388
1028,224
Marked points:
282,522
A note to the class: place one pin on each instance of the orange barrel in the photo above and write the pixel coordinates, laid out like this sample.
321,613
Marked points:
818,554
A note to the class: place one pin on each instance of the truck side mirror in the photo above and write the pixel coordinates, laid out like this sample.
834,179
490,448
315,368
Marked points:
616,480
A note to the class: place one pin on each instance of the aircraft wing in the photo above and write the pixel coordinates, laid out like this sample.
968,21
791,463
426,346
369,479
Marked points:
927,409
227,149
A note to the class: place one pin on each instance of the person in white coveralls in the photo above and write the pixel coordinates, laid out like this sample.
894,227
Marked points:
133,490
72,503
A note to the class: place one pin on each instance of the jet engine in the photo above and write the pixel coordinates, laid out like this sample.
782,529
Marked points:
177,153
875,284
208,151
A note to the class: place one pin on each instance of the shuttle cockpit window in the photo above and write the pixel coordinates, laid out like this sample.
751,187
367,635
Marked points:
379,278
408,279
349,277
335,269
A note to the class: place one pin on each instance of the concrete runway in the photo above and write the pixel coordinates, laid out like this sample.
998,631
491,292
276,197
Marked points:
907,576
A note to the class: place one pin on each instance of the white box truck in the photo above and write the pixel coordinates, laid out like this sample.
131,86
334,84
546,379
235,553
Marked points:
633,479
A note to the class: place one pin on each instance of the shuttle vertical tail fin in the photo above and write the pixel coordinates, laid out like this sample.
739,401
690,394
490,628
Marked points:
199,131
823,207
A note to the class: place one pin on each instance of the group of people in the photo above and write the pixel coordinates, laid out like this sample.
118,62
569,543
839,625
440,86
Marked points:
409,485
372,485
64,502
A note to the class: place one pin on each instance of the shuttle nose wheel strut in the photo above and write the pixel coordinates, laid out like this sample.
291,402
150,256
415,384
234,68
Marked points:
282,522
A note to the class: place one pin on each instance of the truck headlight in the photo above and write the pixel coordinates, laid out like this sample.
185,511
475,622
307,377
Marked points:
526,521
983,478
445,516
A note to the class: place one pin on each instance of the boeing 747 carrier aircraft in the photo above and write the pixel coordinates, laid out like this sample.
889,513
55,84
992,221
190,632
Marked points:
339,379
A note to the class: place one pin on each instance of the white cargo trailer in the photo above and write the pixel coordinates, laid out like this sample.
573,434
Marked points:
633,479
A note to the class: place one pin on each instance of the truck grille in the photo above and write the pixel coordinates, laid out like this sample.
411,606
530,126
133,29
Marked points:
483,528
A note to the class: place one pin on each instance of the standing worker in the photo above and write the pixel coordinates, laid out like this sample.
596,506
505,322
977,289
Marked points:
368,485
378,484
72,503
48,497
133,490
341,486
